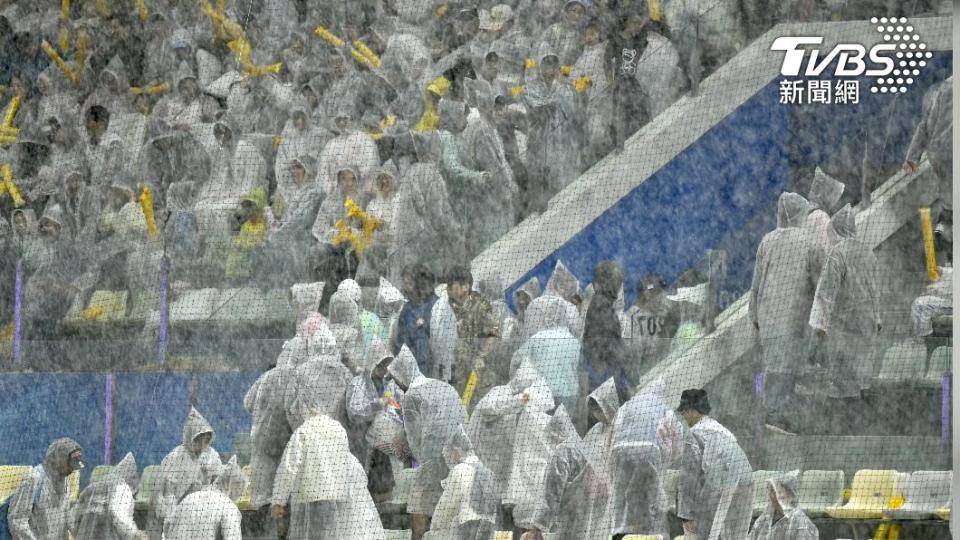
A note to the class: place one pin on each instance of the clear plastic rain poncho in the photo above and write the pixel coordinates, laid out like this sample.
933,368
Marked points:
354,150
325,485
532,452
934,134
564,285
305,300
576,493
786,521
432,412
494,423
783,287
598,441
406,62
210,513
299,138
825,193
468,507
270,430
554,140
320,382
551,349
364,396
715,478
426,230
345,326
105,508
645,441
846,307
43,516
186,469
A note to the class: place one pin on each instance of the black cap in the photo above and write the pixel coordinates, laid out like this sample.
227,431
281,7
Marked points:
696,399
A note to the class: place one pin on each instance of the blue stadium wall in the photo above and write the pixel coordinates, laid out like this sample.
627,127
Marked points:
719,193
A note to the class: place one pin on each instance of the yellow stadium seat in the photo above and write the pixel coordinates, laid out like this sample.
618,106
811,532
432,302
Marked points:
503,535
943,513
244,503
99,473
643,537
149,484
10,477
869,495
74,480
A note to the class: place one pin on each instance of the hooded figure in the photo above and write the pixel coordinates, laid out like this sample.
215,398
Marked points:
320,382
426,230
934,135
270,430
716,480
188,468
333,207
604,353
645,441
324,485
554,139
846,309
298,139
252,235
305,300
351,149
564,285
210,513
526,294
105,508
551,349
406,62
366,396
494,422
783,519
468,507
181,232
432,412
780,299
345,325
825,193
112,90
576,493
39,508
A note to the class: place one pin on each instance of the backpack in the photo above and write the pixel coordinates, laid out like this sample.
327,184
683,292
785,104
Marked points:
5,533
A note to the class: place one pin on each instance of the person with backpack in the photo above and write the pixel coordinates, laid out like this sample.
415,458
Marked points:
40,507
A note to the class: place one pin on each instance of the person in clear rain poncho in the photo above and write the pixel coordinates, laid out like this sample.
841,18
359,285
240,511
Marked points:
468,507
846,310
646,440
576,493
299,139
188,468
324,486
602,406
105,508
551,349
565,286
783,519
345,325
112,91
780,299
39,508
210,513
367,396
825,193
494,423
270,430
566,36
305,301
934,135
605,354
555,135
320,382
432,412
716,480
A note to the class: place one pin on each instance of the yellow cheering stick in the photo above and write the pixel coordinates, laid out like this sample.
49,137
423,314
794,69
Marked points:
469,389
926,226
328,36
581,84
146,204
64,40
9,187
150,90
344,234
81,55
142,10
12,109
368,224
367,53
64,9
52,53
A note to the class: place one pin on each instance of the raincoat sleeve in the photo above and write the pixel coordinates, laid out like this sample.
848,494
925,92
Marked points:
499,401
455,170
121,511
412,424
557,475
455,495
828,289
921,137
758,277
362,406
230,523
691,479
21,508
250,399
288,471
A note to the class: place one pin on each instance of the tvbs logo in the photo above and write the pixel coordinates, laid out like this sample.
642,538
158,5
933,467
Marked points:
894,63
